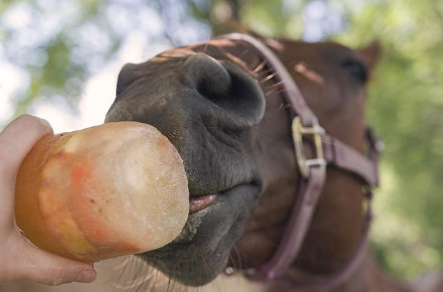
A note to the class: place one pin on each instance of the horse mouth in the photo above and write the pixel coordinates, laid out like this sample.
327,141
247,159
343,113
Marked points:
198,203
201,202
202,249
201,205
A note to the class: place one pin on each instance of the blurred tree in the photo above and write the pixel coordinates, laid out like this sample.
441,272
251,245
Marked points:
57,45
61,43
406,106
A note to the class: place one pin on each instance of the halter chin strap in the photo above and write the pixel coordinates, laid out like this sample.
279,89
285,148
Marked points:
327,151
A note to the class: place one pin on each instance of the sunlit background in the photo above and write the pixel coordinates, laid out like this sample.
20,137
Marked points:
60,59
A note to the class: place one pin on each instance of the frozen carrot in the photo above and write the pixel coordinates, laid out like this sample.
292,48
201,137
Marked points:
102,192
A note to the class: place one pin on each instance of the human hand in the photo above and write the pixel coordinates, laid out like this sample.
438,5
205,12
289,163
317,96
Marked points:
20,260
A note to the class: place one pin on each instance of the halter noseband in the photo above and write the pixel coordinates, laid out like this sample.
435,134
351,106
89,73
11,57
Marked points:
327,151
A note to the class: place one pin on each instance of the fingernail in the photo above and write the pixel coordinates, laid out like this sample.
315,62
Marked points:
45,122
42,120
86,276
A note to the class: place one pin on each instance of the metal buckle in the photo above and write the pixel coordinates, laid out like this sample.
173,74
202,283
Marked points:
315,131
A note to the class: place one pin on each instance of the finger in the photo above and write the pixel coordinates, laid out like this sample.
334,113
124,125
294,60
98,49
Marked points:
39,266
16,141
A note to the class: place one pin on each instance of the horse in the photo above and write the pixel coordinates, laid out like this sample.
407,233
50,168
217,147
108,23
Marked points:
220,106
223,108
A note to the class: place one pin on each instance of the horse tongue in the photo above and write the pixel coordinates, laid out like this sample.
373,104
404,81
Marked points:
201,202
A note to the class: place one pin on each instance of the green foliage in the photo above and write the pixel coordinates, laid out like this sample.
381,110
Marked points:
406,106
51,58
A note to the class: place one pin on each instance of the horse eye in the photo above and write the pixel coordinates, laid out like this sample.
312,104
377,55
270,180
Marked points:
356,69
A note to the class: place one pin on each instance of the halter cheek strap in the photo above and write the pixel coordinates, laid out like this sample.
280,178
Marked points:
327,151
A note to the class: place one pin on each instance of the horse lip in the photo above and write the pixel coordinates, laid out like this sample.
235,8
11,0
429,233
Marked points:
198,203
195,219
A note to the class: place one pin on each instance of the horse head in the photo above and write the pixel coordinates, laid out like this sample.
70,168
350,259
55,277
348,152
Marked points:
223,110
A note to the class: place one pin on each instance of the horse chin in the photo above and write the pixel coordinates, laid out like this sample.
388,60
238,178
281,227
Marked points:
201,251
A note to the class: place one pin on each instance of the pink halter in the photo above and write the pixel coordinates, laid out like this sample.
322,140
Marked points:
328,151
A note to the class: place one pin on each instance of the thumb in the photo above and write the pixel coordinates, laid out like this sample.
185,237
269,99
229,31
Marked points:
16,141
43,267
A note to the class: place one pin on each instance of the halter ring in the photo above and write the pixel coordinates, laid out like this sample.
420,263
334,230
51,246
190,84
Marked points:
315,131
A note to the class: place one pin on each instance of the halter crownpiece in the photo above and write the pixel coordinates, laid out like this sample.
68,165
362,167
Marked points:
327,151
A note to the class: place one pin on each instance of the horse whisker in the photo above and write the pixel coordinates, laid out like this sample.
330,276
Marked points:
277,84
260,67
267,78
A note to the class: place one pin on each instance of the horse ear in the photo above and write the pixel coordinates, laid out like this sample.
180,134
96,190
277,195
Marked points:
371,53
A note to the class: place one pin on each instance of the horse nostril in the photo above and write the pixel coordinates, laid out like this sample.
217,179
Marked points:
208,76
227,86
